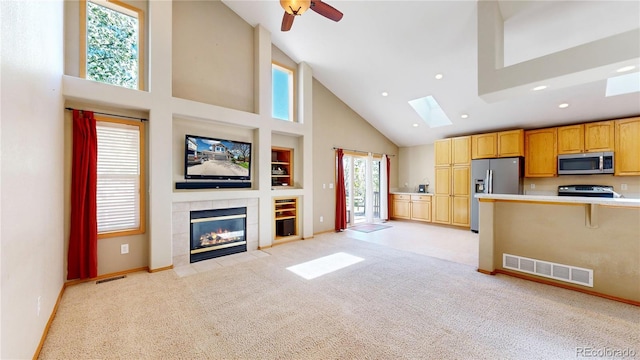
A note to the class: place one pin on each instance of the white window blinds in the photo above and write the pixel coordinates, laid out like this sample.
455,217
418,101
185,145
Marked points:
118,192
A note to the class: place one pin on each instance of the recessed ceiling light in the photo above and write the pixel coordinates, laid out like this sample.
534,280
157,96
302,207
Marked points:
438,76
415,125
563,105
464,116
384,93
626,68
538,88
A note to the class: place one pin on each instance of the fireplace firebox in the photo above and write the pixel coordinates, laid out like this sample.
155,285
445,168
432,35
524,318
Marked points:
217,233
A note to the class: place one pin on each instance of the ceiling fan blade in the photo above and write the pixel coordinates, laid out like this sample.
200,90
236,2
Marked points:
326,10
287,21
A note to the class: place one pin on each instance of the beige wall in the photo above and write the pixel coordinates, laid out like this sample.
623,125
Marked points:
337,125
109,258
549,186
557,233
417,166
213,55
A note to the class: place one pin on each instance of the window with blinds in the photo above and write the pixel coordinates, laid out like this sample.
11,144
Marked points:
120,182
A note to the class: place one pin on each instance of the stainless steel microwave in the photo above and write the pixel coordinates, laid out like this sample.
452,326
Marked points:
585,163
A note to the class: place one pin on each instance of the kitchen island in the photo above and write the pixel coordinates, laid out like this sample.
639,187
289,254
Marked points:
587,244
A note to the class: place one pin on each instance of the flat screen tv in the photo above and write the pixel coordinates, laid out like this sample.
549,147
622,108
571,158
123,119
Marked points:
216,159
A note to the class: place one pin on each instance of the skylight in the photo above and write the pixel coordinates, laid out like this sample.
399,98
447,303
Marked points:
324,265
623,84
430,111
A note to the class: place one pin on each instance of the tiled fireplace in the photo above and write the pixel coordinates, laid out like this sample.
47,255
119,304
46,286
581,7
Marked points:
182,220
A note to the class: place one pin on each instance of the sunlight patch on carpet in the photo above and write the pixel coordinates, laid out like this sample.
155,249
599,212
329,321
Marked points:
324,265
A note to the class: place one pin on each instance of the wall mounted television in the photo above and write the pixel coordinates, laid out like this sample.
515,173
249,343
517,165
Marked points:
208,158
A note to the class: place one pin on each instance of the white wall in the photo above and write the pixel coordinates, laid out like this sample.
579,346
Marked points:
31,190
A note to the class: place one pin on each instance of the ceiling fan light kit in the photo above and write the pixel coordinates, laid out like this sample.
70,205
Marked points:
293,8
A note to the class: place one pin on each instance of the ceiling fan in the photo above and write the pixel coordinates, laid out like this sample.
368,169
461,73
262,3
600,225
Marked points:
293,8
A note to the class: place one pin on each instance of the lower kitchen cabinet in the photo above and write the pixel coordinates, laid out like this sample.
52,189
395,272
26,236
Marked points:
411,207
401,206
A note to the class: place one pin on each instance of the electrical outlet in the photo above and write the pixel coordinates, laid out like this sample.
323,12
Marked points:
533,186
321,218
330,185
623,186
124,248
38,306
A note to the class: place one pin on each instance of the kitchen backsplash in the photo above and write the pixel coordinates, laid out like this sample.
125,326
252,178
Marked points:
549,186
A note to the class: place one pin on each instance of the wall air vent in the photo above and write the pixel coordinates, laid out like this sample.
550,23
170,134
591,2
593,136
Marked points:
548,269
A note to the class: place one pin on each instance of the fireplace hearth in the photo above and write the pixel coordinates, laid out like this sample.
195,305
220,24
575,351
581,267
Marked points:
217,233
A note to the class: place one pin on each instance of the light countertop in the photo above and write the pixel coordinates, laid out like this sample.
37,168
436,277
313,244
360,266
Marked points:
618,202
409,193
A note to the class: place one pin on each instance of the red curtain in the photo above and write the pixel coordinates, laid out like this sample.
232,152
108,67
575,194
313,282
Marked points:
388,188
82,260
341,194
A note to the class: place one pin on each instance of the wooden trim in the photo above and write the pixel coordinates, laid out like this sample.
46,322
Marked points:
45,332
486,272
265,247
324,232
142,178
105,276
566,286
141,38
160,269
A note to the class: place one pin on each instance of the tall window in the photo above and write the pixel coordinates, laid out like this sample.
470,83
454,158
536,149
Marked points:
120,190
282,93
112,43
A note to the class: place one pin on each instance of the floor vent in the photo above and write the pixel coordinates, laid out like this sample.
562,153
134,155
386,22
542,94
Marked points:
111,279
551,270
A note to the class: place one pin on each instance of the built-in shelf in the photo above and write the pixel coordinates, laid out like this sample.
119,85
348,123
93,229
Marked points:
285,219
281,167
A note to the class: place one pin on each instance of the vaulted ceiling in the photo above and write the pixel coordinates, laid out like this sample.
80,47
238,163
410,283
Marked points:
490,55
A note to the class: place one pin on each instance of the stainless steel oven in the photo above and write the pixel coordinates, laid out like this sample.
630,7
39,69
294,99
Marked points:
585,163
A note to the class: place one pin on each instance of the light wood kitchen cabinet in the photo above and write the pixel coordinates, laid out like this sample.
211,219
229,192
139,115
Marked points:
571,139
541,152
627,147
499,144
421,207
401,206
412,207
442,150
599,136
451,202
484,146
460,199
590,137
511,143
461,150
441,209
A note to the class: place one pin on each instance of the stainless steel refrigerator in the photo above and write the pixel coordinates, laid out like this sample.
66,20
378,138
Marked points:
494,176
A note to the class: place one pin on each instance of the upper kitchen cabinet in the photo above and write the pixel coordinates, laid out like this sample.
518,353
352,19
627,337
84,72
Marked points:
571,139
627,146
590,137
484,146
541,152
499,144
443,152
599,136
511,143
461,150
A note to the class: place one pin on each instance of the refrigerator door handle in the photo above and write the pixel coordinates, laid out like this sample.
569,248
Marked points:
486,183
490,181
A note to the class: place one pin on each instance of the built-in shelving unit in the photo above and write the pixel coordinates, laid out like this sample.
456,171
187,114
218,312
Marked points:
281,167
286,219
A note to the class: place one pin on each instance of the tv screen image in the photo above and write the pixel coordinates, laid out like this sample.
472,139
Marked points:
216,159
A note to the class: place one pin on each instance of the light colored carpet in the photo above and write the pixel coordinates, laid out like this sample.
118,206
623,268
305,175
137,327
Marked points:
393,305
367,228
